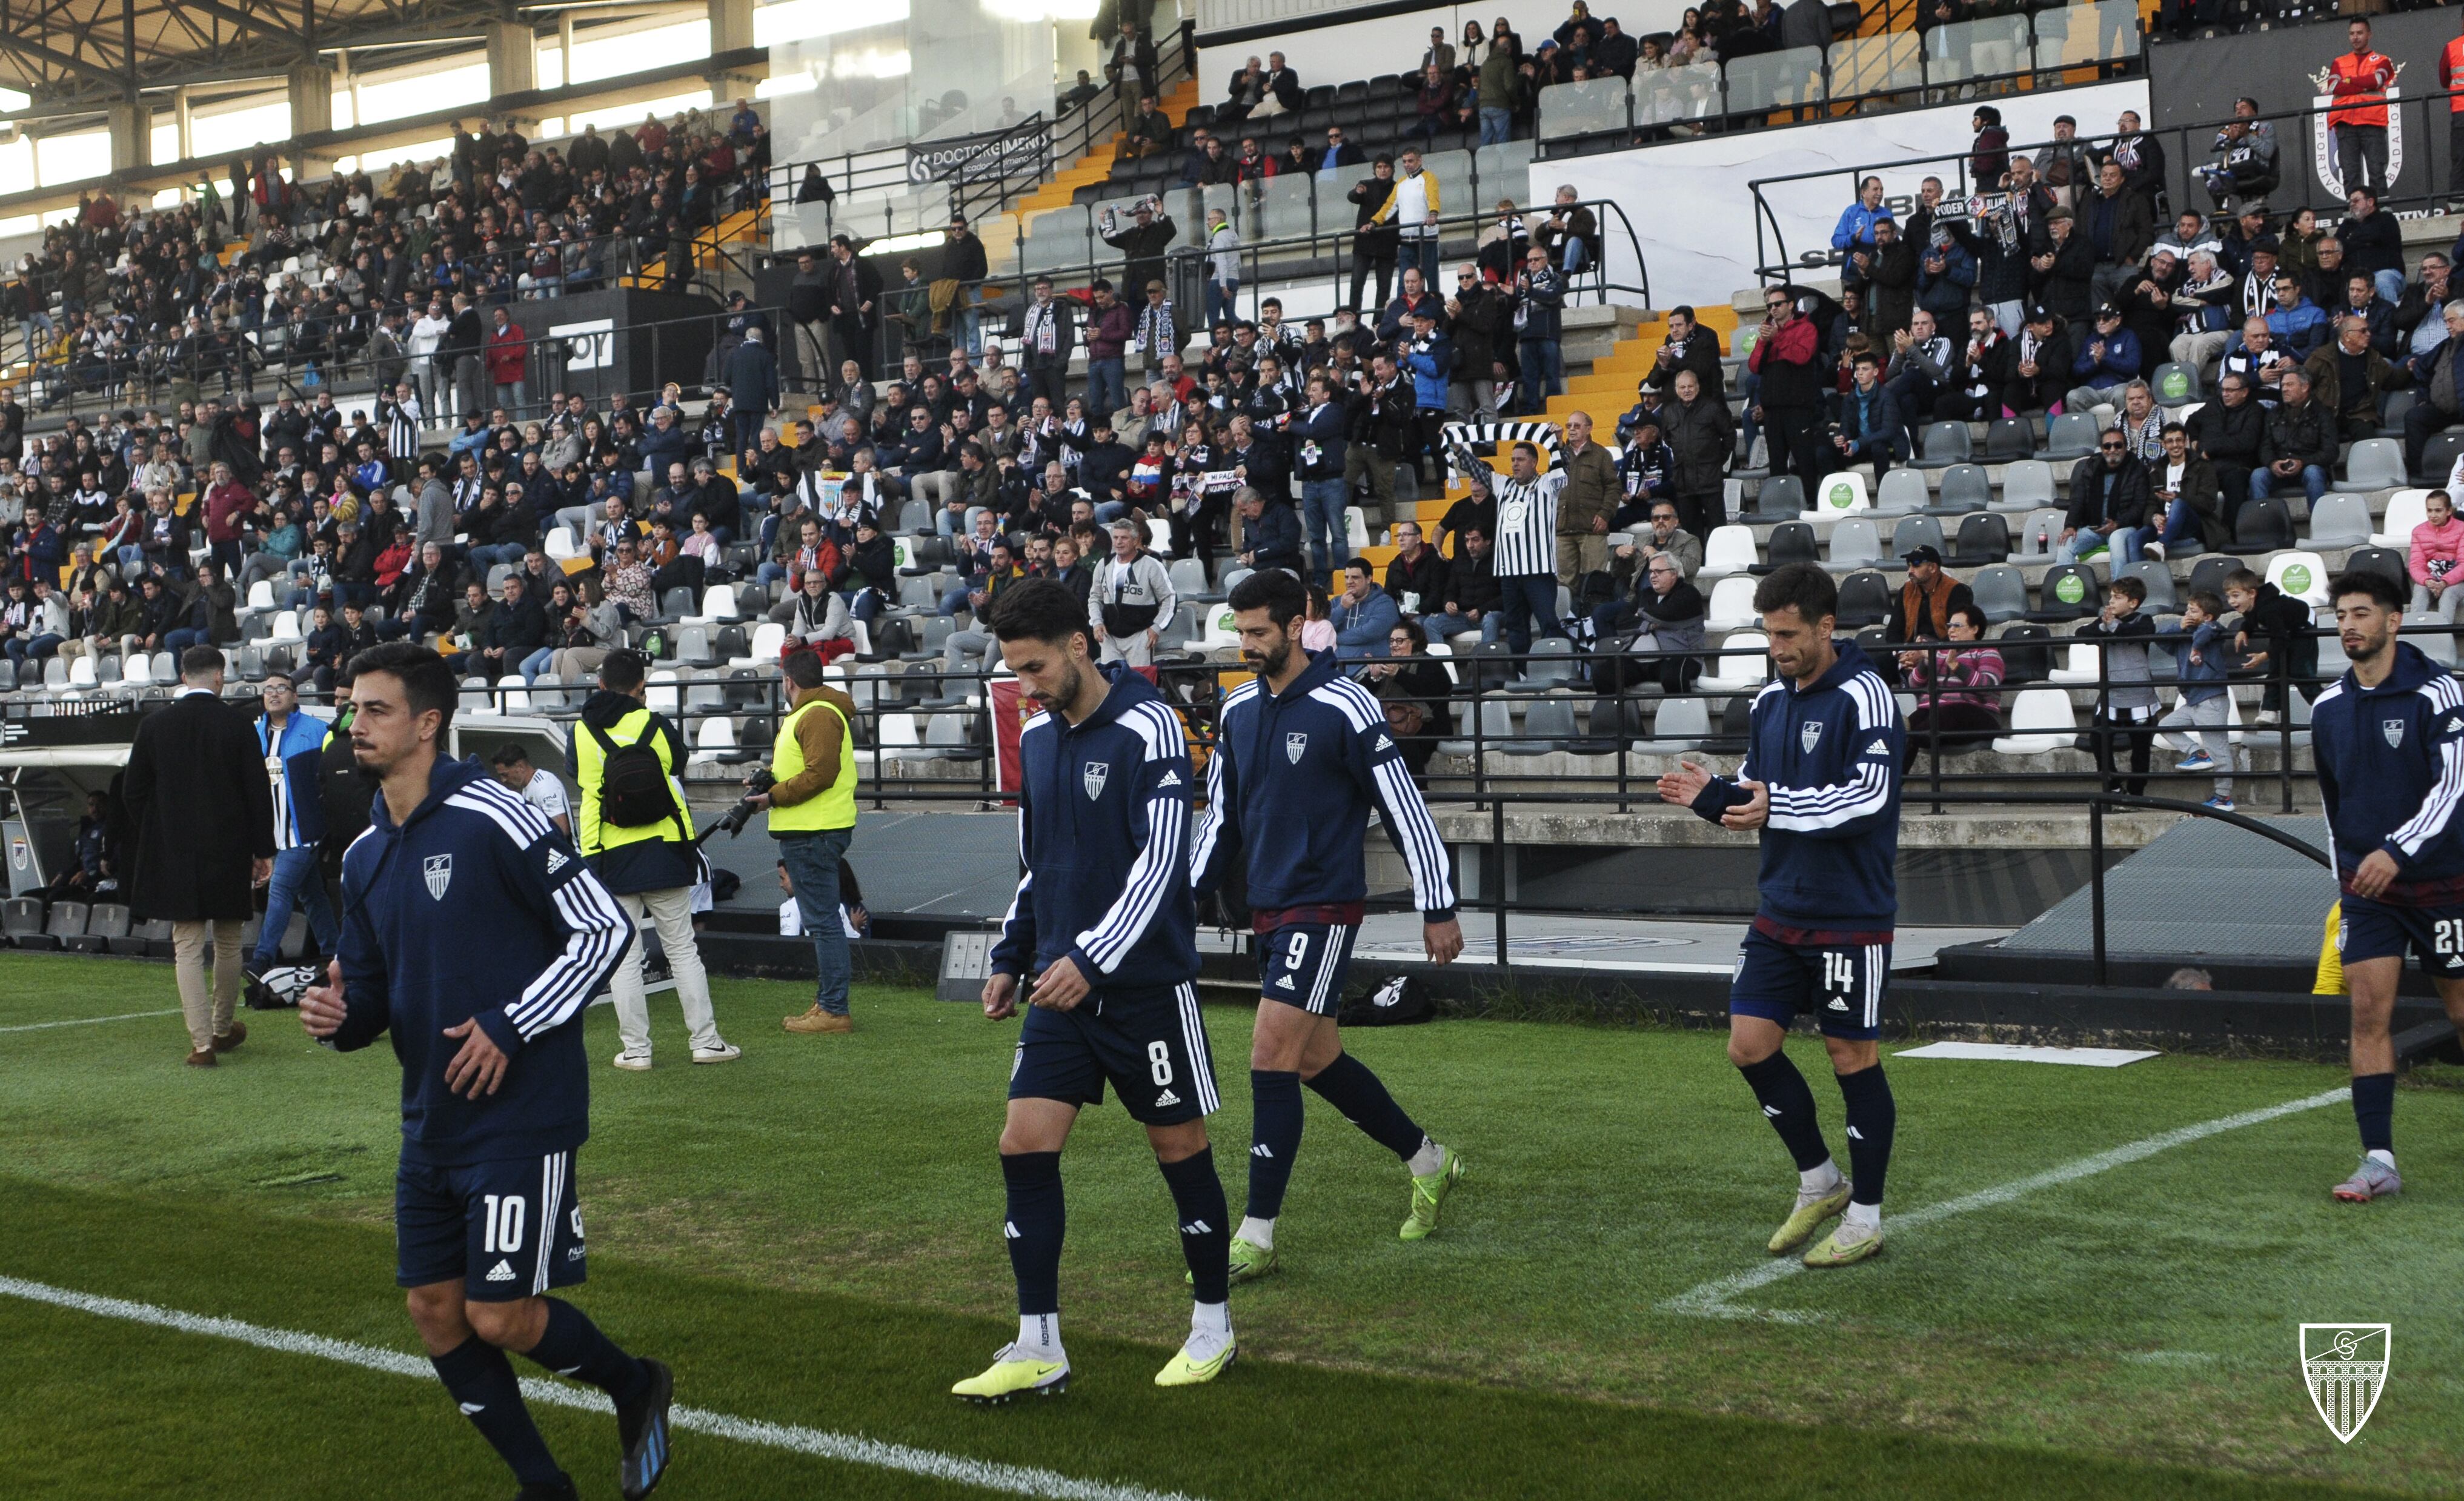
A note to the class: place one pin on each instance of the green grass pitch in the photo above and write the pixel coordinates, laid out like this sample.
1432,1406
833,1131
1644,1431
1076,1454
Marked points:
811,1237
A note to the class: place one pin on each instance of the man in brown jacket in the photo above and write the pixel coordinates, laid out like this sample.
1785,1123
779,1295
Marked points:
2348,377
812,815
1587,502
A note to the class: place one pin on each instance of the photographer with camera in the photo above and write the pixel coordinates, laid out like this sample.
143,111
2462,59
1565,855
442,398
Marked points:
812,815
638,837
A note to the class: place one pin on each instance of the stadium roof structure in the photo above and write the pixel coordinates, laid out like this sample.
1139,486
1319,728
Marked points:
72,54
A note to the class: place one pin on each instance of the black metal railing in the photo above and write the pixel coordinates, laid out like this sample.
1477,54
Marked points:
1899,68
2187,150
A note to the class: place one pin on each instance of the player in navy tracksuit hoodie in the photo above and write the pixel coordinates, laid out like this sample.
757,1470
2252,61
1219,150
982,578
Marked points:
1104,925
2388,741
1821,781
474,933
1302,755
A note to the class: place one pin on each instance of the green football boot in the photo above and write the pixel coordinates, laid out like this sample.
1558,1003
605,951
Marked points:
1812,1209
1013,1373
1430,1191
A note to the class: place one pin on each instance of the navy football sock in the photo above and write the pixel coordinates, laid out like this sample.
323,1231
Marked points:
1348,1085
1205,1238
1275,1139
1788,1105
1033,1227
2374,1111
482,1382
1873,1116
573,1346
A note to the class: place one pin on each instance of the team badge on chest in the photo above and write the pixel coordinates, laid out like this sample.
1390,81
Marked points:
1295,745
1093,778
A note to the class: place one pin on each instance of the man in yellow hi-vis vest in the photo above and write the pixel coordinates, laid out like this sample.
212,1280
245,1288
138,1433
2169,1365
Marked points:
812,815
637,835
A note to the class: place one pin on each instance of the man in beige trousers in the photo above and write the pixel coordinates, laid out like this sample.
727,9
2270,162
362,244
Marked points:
197,791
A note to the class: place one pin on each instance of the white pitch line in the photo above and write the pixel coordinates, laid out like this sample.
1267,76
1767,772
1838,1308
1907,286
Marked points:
1712,1300
847,1447
88,1021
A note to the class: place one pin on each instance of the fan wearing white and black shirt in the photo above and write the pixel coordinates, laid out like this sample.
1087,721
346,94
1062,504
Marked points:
1526,547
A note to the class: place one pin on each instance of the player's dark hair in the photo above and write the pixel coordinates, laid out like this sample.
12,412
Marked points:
427,682
1801,586
805,668
1276,592
1038,609
621,672
2382,588
2132,589
510,756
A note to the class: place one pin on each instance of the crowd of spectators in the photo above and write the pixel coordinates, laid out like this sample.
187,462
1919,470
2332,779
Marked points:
400,271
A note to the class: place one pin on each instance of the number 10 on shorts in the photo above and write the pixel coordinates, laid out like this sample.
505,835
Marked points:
502,1230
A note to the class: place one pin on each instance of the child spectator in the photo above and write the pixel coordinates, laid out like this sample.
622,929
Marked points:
2437,551
2272,636
2206,704
1317,631
2127,706
1956,690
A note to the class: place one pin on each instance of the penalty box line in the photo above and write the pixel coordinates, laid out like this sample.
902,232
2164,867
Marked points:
87,1021
1713,1299
849,1448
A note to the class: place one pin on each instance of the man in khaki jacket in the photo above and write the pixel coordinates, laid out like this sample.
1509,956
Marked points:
1586,503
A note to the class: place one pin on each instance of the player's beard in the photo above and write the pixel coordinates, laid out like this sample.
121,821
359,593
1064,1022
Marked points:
1271,664
1072,681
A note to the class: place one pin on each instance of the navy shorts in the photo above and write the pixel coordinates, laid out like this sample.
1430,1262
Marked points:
1150,1044
509,1229
1841,984
1302,964
2432,935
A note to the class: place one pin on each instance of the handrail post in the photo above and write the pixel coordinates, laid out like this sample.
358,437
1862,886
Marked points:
2096,879
1497,898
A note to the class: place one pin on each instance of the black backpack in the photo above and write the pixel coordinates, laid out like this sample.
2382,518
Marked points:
632,785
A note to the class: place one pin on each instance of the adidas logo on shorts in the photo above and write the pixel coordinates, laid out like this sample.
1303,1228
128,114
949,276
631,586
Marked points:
1838,1005
1285,984
556,861
1167,1097
501,1272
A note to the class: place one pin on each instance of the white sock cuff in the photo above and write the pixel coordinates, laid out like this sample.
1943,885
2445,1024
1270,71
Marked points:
1256,1232
1040,1331
1210,1318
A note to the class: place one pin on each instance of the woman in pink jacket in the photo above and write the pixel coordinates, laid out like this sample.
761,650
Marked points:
1958,692
2437,559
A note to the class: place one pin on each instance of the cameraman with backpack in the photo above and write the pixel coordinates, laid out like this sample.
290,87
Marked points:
638,837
